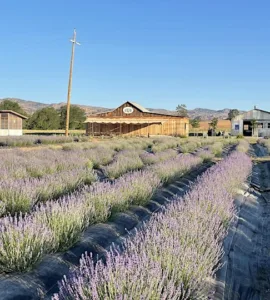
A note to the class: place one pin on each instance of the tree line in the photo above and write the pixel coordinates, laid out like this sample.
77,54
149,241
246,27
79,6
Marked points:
182,111
48,118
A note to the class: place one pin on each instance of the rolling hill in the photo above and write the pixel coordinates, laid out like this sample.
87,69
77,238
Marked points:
205,114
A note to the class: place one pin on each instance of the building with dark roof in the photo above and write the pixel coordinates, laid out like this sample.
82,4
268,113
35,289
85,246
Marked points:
132,119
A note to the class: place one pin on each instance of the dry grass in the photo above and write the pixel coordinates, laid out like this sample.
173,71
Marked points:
223,125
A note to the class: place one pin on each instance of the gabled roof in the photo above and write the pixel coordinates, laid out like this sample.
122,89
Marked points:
13,112
265,111
141,108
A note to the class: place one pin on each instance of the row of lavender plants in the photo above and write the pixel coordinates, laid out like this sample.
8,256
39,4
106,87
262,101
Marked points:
243,146
178,252
48,174
30,140
51,173
21,194
57,225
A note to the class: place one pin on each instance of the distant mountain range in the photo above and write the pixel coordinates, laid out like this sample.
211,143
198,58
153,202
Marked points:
204,113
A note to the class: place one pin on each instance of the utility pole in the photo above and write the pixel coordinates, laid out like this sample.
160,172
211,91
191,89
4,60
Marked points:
74,42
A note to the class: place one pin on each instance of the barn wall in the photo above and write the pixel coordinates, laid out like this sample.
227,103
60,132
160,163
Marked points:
237,127
3,120
171,126
14,122
10,125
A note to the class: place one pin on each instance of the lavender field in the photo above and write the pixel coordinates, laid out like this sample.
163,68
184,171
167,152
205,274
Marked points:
159,210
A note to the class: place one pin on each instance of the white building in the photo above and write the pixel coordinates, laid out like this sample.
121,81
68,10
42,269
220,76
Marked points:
255,122
10,123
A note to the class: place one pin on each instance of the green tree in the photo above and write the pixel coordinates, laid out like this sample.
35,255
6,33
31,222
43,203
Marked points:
182,110
195,123
233,113
12,105
44,119
76,117
253,125
214,123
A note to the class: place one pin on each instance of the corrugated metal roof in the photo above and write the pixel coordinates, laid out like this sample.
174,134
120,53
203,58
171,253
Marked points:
122,121
141,108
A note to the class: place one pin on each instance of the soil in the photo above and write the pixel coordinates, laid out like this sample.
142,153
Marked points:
245,274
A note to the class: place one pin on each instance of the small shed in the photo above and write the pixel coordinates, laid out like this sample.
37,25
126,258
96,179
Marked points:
255,122
10,123
132,119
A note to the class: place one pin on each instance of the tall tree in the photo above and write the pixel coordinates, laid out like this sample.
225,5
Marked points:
44,119
195,123
182,110
233,113
214,123
76,118
12,105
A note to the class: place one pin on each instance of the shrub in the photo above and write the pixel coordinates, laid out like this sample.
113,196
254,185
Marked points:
172,169
23,242
243,146
126,160
205,155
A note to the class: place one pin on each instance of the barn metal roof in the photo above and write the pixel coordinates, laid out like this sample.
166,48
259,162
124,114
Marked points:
141,108
13,112
123,121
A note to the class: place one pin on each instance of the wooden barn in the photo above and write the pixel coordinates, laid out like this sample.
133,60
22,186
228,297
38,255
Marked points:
132,119
10,123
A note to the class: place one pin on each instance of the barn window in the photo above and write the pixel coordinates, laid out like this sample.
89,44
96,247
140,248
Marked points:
260,125
268,125
4,121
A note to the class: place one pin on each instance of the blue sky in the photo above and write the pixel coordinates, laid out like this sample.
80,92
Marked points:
204,53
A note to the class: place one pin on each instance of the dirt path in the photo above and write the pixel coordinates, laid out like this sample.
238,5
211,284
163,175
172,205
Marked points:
246,271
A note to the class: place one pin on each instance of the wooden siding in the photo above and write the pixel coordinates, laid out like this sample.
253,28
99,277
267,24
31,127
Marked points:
169,127
10,121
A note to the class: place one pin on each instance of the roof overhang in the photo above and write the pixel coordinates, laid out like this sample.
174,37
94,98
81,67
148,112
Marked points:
123,121
13,112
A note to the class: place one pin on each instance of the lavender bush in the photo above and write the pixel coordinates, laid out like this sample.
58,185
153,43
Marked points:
126,160
216,148
21,195
191,230
150,158
243,146
163,143
205,155
23,242
172,169
66,219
